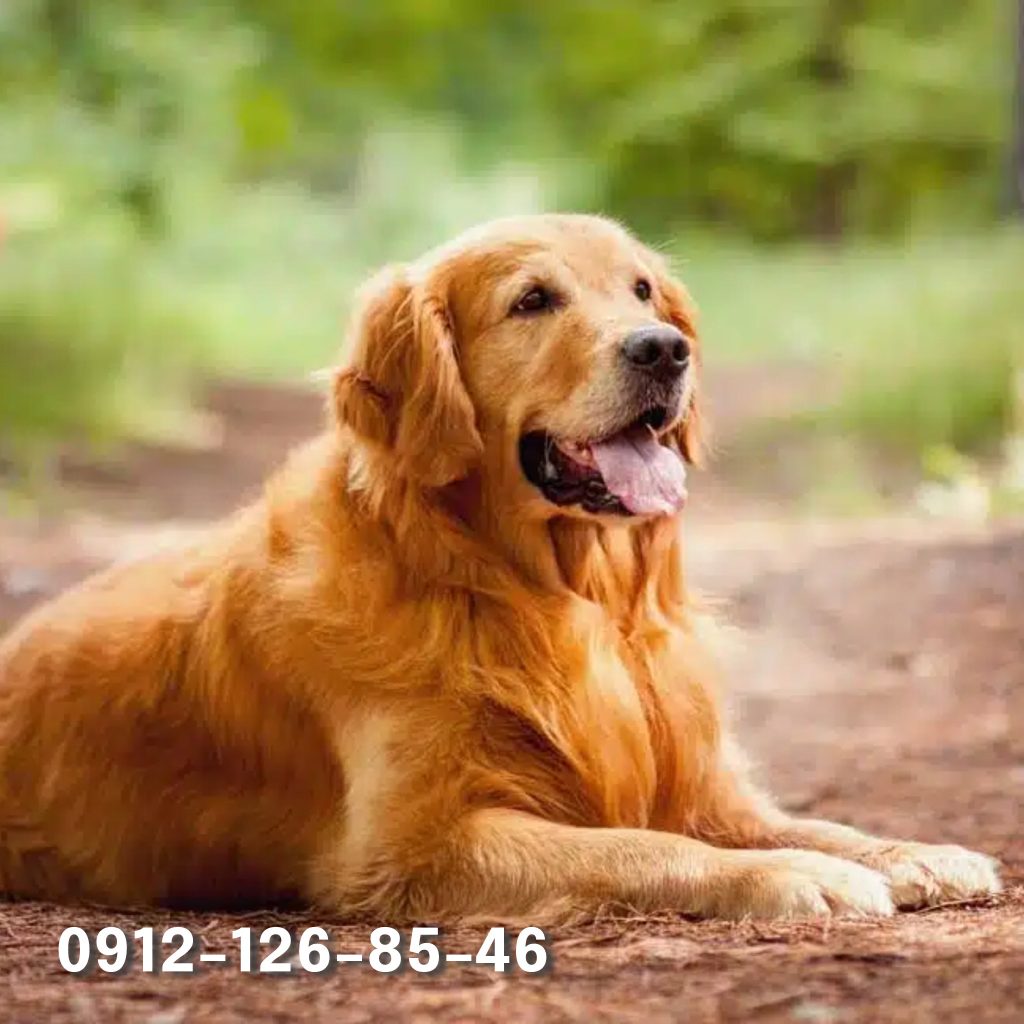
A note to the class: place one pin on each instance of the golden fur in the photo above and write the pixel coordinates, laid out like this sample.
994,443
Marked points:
404,683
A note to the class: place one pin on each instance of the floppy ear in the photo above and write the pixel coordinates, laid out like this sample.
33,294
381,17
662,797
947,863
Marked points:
402,390
678,308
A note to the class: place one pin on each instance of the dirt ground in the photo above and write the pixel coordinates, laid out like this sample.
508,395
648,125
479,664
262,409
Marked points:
878,673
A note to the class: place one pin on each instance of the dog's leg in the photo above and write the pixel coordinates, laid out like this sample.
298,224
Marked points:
921,874
508,864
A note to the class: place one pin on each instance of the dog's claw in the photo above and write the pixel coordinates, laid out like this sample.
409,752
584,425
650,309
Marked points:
923,875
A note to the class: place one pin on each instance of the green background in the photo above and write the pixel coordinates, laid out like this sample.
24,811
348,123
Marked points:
194,188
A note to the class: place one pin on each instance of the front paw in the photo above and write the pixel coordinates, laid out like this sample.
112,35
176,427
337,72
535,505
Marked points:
922,875
799,883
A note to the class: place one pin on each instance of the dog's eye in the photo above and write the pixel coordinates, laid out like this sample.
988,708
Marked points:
642,290
535,300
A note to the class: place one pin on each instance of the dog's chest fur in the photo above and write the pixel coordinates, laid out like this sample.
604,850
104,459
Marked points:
624,728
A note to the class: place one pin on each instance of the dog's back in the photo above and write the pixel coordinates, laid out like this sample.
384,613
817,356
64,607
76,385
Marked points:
143,748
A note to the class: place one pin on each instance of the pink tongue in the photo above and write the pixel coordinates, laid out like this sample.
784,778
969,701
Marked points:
647,477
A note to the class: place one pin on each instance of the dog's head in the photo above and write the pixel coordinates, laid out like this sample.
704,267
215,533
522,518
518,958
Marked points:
554,356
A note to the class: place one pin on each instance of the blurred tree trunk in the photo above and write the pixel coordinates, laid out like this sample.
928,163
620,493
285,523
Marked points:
833,75
830,202
1017,159
62,19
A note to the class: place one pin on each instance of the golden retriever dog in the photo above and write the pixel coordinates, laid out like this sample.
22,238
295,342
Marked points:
447,665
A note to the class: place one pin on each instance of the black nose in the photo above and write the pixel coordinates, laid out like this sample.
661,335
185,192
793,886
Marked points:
661,351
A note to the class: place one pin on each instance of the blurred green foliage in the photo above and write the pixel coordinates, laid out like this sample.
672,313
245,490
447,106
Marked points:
923,340
777,117
200,183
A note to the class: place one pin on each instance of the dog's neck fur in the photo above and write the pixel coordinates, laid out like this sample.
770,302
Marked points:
621,584
622,567
633,571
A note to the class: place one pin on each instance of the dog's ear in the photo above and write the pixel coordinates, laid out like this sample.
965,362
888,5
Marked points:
402,390
677,308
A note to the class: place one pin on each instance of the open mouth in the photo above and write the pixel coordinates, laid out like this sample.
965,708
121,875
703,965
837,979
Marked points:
630,472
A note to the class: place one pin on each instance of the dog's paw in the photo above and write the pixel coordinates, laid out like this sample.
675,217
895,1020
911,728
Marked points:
922,875
801,883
